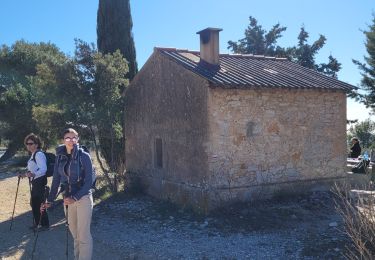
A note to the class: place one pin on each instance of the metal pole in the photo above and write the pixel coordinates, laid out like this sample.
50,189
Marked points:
32,215
45,195
36,236
15,199
67,231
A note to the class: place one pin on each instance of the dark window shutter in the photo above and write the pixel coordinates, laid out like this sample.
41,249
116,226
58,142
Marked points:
159,153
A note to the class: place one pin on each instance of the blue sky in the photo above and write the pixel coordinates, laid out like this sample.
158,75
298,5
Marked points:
167,23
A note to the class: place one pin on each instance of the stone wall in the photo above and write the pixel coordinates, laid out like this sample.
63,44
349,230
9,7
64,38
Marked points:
259,138
168,102
223,145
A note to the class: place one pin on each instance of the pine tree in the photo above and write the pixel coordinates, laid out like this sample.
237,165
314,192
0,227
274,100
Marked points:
305,53
114,31
19,64
86,91
260,42
368,69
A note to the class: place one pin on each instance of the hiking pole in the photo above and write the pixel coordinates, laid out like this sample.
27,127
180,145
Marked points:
31,205
45,195
15,199
67,231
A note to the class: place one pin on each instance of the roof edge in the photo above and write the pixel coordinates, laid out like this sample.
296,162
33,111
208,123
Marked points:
222,54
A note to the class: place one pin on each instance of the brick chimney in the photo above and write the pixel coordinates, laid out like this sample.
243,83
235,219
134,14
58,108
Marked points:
209,49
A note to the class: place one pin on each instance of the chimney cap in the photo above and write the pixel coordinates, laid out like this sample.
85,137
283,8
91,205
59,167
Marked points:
210,29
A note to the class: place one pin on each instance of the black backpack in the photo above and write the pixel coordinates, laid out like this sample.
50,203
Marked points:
50,162
360,167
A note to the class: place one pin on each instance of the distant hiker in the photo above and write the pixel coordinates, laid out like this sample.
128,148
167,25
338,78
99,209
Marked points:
73,173
355,149
36,172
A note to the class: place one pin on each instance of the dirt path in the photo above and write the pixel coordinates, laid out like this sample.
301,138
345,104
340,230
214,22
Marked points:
139,227
18,243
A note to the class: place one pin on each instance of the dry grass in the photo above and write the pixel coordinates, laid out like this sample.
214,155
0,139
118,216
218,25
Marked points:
357,210
103,189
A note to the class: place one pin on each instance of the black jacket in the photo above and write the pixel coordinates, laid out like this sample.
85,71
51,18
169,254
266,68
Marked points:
355,150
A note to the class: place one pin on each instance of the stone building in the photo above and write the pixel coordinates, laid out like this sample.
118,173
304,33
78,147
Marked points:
203,129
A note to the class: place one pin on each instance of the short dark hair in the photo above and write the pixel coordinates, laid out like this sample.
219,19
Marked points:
69,130
33,137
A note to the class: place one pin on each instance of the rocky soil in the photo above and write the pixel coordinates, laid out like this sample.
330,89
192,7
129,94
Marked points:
129,226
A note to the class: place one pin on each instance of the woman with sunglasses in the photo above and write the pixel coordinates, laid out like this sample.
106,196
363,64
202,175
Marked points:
73,173
36,172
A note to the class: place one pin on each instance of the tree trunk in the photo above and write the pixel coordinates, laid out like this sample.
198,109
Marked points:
105,171
10,152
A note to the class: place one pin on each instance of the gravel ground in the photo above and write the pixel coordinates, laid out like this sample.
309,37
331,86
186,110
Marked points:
302,228
176,238
139,227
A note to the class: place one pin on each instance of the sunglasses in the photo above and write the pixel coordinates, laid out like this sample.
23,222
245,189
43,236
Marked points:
30,143
74,139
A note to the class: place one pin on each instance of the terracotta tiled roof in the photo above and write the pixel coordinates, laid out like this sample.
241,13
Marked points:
247,71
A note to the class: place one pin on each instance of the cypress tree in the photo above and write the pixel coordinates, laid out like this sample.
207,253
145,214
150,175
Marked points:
114,31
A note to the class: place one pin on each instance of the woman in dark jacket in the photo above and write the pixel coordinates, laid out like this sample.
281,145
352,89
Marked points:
355,149
73,172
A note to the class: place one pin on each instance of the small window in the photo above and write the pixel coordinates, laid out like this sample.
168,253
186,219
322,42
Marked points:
158,153
250,129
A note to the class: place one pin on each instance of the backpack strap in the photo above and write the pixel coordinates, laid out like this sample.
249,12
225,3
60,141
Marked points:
79,164
33,158
35,154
